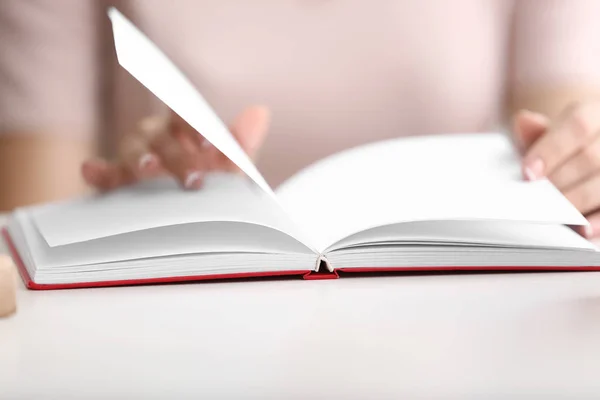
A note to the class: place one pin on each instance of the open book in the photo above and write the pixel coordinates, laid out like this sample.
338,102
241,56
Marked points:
454,202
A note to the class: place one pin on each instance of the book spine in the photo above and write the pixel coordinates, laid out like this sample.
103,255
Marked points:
323,270
323,264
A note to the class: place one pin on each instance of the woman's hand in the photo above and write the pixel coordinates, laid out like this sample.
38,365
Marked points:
171,146
567,152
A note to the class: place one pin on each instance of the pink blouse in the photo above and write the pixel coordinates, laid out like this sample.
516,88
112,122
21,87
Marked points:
336,73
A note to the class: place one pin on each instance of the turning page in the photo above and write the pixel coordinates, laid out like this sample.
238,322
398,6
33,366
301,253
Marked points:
153,69
149,65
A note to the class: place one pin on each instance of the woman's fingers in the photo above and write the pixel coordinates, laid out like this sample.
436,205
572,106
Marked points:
585,196
574,130
138,158
528,126
581,166
180,155
170,145
105,175
593,229
94,172
250,129
196,155
568,154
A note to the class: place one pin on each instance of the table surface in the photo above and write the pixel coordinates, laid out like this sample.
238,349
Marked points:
438,336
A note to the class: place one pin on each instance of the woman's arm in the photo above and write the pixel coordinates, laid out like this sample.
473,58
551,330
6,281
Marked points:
49,87
39,167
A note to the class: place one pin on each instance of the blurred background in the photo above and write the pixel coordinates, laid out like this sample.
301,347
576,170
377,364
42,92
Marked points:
334,74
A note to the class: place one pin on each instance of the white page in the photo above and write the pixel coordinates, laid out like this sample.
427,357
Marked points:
149,65
152,204
447,177
503,233
196,238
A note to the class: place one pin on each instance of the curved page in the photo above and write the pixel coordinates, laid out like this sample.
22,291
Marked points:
449,177
469,233
159,203
198,238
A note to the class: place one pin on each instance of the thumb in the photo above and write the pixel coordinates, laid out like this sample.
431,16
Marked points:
251,127
528,126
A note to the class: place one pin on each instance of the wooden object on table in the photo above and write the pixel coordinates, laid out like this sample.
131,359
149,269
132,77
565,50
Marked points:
8,298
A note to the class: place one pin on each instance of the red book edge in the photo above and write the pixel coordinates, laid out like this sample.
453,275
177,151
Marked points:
307,275
506,268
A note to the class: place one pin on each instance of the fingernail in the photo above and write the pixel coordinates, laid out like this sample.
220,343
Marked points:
588,231
534,170
530,176
146,161
193,180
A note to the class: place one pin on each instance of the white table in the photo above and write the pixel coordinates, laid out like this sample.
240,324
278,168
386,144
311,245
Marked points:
453,337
